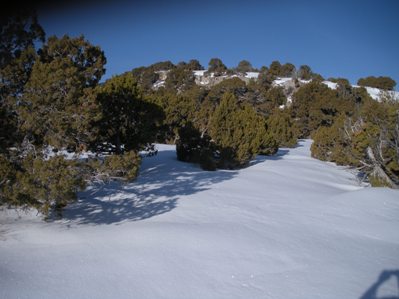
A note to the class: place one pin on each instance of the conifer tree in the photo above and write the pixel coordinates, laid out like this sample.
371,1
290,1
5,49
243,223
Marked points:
282,127
57,105
127,122
216,66
239,133
305,72
244,66
381,82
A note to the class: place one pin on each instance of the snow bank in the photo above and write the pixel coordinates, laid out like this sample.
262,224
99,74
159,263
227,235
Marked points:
199,73
252,75
281,81
288,226
330,84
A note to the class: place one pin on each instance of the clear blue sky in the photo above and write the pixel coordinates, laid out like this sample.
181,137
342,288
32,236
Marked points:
349,39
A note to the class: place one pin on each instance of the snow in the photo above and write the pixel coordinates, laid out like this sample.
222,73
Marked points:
331,85
159,84
252,75
288,226
199,73
49,152
281,81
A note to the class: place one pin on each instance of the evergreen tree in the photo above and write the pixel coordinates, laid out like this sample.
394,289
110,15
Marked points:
287,70
244,66
194,147
386,83
194,65
19,33
239,133
45,184
272,98
281,126
216,66
305,72
315,105
181,78
57,105
127,122
368,140
275,69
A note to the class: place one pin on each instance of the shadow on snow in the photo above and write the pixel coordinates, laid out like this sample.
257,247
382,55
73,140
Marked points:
162,182
373,290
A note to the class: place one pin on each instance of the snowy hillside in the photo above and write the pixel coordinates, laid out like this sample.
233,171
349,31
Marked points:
201,79
288,226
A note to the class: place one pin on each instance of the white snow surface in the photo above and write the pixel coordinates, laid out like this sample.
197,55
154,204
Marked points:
159,84
281,81
199,73
331,85
252,75
288,226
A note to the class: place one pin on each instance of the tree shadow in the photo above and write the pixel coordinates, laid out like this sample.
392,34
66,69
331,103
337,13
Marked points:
385,275
262,158
300,143
162,182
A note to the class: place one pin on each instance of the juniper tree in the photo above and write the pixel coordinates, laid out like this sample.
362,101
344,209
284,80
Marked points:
244,66
282,127
57,105
127,121
216,66
378,82
238,132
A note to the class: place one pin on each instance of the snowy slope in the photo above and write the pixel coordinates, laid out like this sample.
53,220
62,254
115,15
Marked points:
288,226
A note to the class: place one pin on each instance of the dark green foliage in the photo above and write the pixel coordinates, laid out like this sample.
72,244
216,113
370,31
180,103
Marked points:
179,109
342,81
58,107
275,68
238,132
162,66
305,72
88,60
287,70
281,126
244,66
235,86
121,166
9,133
332,144
18,33
181,78
272,98
8,175
265,79
146,77
315,105
192,147
386,83
45,184
126,118
369,140
53,98
216,66
194,65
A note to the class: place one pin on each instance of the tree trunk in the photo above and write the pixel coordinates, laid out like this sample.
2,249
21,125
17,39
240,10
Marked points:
378,171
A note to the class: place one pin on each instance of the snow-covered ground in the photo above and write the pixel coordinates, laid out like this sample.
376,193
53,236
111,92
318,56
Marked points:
288,226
